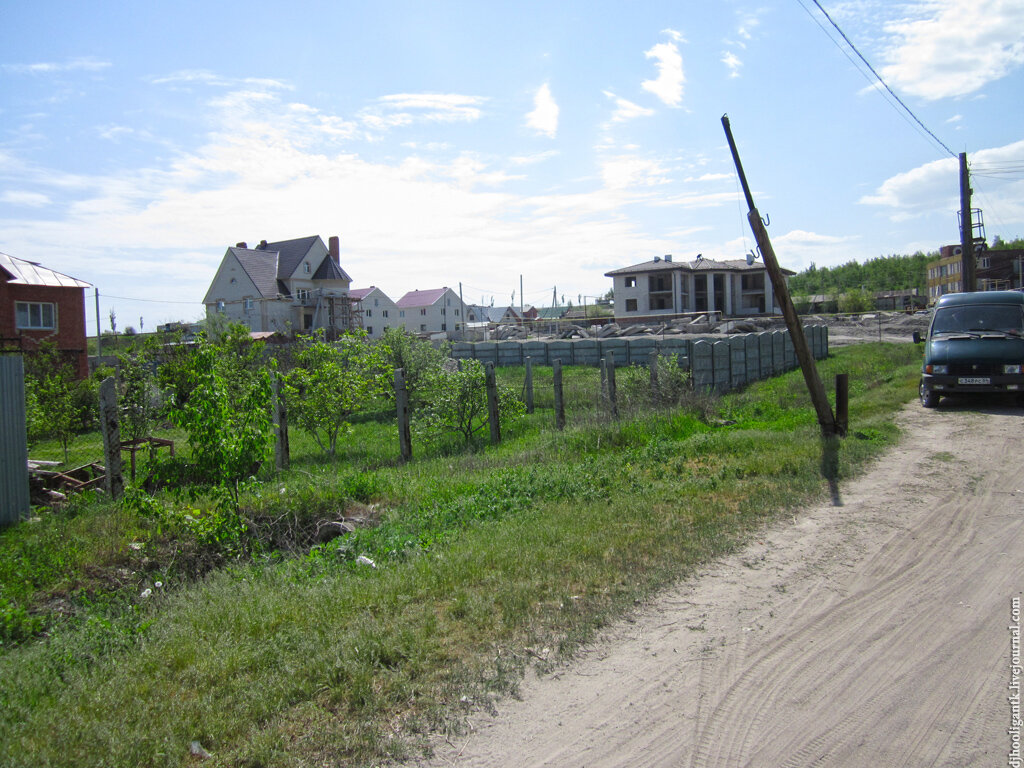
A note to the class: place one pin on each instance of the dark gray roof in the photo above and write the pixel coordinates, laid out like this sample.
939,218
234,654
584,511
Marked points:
328,270
697,265
261,267
290,253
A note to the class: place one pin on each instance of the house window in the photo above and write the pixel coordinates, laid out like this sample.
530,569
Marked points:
36,315
631,305
401,313
423,327
983,262
376,302
369,313
444,327
301,294
456,313
220,306
369,330
423,311
443,311
384,312
247,305
306,268
631,281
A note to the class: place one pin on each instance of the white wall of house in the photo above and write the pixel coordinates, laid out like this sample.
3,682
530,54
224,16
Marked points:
379,313
742,293
443,316
233,294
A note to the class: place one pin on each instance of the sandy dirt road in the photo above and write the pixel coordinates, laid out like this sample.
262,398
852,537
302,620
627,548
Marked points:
874,633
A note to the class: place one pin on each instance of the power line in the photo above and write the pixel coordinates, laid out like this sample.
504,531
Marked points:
885,85
151,301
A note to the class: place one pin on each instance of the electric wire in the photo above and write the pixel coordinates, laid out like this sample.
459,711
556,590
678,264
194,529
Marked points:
880,80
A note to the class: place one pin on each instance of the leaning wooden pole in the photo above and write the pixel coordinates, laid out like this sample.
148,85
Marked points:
796,332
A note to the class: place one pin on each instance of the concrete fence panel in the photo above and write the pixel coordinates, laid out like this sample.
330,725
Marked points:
509,353
486,352
463,350
537,350
737,362
561,351
702,365
586,351
720,363
619,348
752,356
764,346
778,352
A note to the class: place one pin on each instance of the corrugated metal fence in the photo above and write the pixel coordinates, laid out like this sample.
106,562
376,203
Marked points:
14,499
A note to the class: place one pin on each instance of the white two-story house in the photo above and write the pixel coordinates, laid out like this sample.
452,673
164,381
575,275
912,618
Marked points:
287,286
437,310
377,311
663,287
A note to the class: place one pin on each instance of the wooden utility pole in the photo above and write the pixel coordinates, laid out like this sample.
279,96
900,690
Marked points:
967,260
826,419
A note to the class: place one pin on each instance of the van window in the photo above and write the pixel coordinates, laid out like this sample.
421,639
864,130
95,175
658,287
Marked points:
1006,318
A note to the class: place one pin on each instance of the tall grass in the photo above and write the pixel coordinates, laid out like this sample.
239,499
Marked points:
482,563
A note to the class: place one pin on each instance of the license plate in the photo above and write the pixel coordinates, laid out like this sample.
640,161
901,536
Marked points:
974,380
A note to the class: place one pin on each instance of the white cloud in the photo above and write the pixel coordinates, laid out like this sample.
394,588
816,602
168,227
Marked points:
955,47
955,119
630,171
934,188
19,197
544,117
402,109
626,110
669,84
533,159
84,64
277,173
732,63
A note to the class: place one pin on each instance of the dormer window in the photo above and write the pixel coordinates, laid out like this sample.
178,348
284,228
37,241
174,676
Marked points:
306,268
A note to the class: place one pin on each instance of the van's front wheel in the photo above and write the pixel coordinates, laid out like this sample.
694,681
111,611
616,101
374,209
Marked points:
929,399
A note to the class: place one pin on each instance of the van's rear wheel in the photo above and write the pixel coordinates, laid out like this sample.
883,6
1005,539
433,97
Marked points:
929,399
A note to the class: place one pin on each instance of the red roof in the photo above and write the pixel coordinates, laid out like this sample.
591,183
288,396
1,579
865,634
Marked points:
420,298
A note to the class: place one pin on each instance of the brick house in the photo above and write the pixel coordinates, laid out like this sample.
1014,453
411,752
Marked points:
39,305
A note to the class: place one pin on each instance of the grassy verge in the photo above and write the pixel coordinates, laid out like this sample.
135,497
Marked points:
482,563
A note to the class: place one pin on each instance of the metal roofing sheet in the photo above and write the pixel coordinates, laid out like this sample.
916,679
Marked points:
30,273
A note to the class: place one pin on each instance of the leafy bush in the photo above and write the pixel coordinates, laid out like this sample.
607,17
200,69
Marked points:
332,380
419,360
227,415
456,403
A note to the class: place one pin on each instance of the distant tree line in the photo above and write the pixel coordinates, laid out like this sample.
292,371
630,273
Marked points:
885,273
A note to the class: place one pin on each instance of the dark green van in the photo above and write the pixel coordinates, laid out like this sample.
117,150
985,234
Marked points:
975,345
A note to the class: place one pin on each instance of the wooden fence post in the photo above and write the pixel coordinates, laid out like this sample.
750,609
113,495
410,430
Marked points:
529,384
556,376
609,376
402,409
842,403
492,403
282,450
110,426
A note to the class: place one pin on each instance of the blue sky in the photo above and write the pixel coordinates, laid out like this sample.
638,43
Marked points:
474,142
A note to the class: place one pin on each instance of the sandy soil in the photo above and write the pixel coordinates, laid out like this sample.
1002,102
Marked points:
874,633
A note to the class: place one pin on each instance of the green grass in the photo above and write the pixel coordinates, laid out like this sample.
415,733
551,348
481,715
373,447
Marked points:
483,560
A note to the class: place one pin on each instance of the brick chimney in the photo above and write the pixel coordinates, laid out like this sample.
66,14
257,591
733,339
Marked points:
263,245
334,245
241,245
